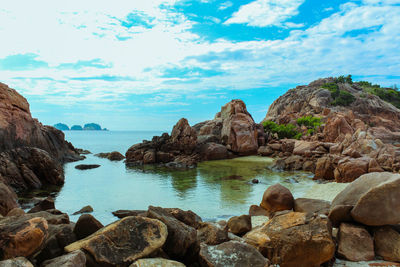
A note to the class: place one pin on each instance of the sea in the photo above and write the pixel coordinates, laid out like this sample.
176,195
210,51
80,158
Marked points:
207,190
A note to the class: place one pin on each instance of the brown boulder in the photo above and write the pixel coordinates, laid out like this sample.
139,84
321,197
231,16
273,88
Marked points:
187,217
349,169
112,244
265,151
184,137
46,204
277,198
181,237
8,199
113,156
213,151
22,236
86,209
125,213
336,126
312,206
355,243
239,131
16,212
239,225
255,210
87,166
387,243
294,239
324,168
212,233
233,254
376,196
86,225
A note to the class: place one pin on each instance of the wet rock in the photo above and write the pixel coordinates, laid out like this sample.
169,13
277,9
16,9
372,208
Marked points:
213,151
156,262
21,237
73,259
87,166
187,217
233,254
277,198
265,151
112,244
255,181
86,209
377,191
113,156
294,239
86,225
8,199
312,206
255,210
212,233
355,243
181,237
387,243
125,213
16,262
239,225
46,204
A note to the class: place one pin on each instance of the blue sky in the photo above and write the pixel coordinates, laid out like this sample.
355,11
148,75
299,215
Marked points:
142,65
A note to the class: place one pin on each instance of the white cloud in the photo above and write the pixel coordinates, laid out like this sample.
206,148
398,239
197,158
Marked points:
263,13
225,5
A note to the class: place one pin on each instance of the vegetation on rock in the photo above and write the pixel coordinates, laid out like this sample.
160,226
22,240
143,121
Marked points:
282,130
391,95
340,97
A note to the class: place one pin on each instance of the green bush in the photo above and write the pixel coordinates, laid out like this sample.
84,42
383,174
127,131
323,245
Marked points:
344,99
309,121
391,95
282,130
344,79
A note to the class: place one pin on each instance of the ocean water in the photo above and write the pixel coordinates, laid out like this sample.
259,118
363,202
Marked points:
204,190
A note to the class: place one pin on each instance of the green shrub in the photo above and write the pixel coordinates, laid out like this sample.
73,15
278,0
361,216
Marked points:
269,125
311,131
344,79
391,95
344,99
309,121
282,130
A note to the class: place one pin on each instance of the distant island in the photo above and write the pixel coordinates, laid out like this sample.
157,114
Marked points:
86,127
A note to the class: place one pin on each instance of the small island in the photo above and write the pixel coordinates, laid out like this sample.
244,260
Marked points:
87,127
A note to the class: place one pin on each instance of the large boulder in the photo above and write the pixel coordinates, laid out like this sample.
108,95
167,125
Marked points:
8,199
324,168
187,217
21,236
181,237
86,225
19,129
239,131
372,200
239,225
355,243
277,198
213,151
183,137
233,254
349,169
387,243
73,259
294,239
113,244
312,206
212,233
16,262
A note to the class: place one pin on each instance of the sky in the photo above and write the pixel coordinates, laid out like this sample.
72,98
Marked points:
144,64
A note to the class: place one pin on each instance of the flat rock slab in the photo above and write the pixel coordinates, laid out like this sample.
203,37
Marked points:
156,262
86,166
113,243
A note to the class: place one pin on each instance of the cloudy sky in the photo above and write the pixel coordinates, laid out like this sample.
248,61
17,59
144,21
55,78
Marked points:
143,64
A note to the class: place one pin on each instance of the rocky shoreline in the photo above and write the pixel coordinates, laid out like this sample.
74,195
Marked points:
309,128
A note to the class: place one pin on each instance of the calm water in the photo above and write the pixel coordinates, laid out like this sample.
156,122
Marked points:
203,190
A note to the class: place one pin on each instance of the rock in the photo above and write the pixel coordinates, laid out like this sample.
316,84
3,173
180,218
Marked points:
112,244
8,199
239,131
294,239
302,147
87,166
239,225
324,168
258,220
277,198
187,217
159,262
113,156
125,213
349,169
16,262
29,168
19,129
22,236
387,243
183,136
312,206
73,259
86,209
233,254
86,225
16,212
213,151
46,204
181,237
265,151
378,192
355,243
212,233
257,211
337,126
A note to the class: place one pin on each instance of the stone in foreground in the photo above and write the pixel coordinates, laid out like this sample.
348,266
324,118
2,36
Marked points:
22,237
387,243
239,225
16,262
73,259
156,262
277,198
355,243
113,243
312,206
294,239
86,225
232,254
212,233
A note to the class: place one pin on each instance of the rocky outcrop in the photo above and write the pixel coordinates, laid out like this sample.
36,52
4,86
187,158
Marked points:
113,156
